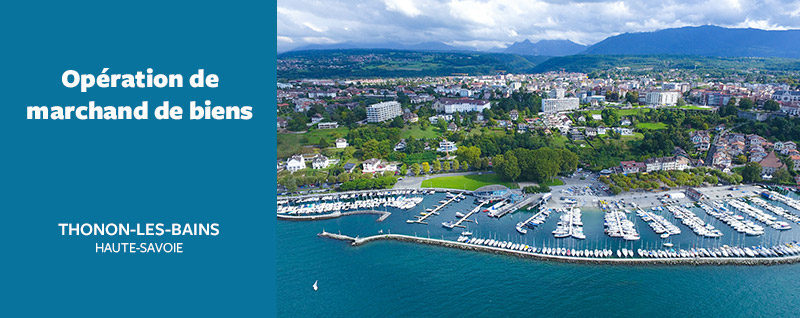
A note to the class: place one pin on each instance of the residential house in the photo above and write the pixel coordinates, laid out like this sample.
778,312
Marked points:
514,114
770,164
788,147
410,117
341,143
319,162
296,162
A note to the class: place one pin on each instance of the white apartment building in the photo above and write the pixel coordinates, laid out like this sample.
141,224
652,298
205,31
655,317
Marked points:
662,98
384,111
449,106
555,105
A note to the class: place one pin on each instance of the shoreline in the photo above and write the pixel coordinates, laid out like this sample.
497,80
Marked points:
749,261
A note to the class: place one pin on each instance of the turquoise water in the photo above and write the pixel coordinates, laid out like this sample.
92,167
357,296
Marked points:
388,278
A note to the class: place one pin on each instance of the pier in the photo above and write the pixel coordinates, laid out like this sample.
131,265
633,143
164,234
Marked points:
421,220
465,218
511,207
534,216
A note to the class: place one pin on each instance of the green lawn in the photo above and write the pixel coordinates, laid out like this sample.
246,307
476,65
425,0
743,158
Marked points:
695,107
468,182
651,126
291,144
622,112
417,132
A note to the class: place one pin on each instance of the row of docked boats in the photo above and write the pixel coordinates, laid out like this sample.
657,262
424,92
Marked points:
658,223
758,214
725,251
698,226
617,225
775,209
399,202
735,221
355,195
782,250
570,224
792,203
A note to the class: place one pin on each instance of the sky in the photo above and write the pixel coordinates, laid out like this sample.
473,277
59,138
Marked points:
484,25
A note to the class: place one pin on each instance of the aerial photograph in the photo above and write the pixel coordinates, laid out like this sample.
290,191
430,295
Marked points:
501,158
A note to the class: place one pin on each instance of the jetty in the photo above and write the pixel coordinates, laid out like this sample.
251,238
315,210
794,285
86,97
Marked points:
466,217
513,206
356,241
534,216
435,211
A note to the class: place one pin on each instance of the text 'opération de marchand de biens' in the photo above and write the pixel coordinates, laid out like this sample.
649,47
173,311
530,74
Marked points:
198,110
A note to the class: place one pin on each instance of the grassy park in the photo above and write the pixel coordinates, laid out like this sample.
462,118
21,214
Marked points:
468,182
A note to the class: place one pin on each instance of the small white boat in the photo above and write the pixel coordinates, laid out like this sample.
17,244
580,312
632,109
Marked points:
668,244
315,285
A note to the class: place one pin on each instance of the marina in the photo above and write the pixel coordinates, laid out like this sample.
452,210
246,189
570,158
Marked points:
718,229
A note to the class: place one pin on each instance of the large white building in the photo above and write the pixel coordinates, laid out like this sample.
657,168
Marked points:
662,98
449,106
383,111
555,105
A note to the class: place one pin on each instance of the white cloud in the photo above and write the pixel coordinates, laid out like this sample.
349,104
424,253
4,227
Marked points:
406,7
285,39
489,23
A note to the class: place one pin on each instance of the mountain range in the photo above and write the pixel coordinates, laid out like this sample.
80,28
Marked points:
705,40
700,40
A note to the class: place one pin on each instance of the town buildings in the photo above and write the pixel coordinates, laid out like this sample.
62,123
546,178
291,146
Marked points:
449,105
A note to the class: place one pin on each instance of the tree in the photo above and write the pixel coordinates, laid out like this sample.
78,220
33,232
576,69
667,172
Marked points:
398,122
471,154
745,103
455,165
782,176
415,169
403,170
771,105
740,159
426,167
610,116
446,166
348,152
290,184
437,165
508,168
323,143
465,165
751,172
370,149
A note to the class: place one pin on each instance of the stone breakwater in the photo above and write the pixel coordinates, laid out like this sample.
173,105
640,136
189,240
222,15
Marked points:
356,241
383,215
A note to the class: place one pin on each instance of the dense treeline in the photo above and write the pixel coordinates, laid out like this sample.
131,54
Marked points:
538,165
398,63
384,182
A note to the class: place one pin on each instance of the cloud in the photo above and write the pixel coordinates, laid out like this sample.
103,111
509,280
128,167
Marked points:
486,24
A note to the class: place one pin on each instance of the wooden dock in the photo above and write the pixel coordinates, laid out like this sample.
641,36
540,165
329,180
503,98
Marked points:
421,220
466,217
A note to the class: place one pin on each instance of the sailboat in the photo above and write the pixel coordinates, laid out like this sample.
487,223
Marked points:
315,285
